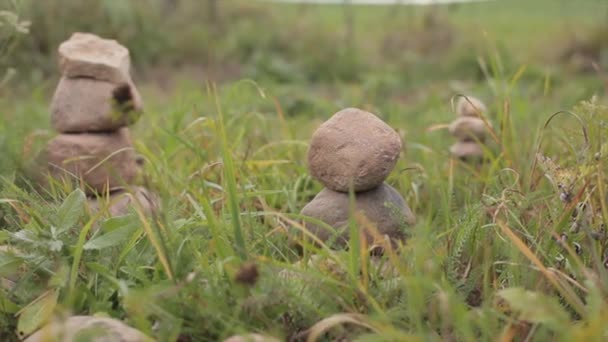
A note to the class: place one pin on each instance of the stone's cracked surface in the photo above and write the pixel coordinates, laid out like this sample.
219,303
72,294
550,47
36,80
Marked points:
87,55
467,150
467,128
382,206
88,328
123,201
472,107
103,161
88,105
353,146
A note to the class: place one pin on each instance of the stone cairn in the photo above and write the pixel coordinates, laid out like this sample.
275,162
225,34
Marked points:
93,105
356,149
469,129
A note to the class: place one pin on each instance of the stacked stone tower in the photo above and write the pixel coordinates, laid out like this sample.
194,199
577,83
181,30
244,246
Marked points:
93,105
355,149
469,129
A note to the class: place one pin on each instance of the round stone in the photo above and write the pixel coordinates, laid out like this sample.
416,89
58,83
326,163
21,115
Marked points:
467,150
382,206
88,328
470,106
88,55
87,105
122,202
468,128
353,146
100,162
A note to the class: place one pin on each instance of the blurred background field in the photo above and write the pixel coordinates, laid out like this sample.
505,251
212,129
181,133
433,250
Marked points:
224,40
274,72
315,59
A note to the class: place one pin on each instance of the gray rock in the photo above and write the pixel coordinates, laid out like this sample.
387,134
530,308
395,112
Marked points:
467,150
88,105
468,128
102,161
353,146
87,55
472,107
382,206
88,328
121,202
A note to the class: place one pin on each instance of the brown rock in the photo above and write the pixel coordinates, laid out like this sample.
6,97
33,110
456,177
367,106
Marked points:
467,150
468,128
103,161
123,201
472,107
87,55
88,328
382,206
251,338
353,146
87,105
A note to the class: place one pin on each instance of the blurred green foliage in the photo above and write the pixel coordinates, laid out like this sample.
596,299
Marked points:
11,26
294,43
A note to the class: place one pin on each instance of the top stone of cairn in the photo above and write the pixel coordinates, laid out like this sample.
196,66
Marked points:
87,55
353,146
470,106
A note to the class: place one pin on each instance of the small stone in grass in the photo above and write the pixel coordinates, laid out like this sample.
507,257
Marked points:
88,328
123,201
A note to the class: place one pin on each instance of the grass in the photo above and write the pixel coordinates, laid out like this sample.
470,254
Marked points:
493,255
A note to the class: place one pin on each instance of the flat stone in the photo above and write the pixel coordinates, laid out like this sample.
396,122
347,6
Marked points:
353,146
122,202
88,328
102,161
88,55
468,128
467,150
383,206
88,105
472,107
251,338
